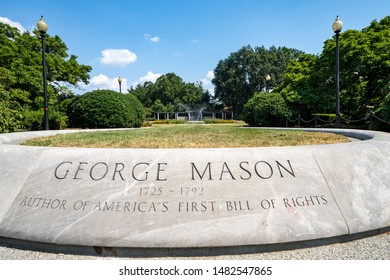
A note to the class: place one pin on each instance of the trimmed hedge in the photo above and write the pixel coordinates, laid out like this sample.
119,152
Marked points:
137,106
266,109
105,109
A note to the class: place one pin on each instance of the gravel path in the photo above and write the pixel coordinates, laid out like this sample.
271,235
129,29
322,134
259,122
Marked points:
370,248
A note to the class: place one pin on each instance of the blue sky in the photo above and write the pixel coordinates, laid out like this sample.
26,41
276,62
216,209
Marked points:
139,40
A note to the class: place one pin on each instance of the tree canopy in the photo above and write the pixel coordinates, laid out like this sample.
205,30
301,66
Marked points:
170,93
244,72
309,82
21,85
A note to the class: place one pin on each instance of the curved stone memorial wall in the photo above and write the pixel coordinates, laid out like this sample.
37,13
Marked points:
182,198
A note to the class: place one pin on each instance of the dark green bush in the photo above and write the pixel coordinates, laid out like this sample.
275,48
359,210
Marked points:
9,119
383,113
34,120
266,109
136,105
104,109
57,120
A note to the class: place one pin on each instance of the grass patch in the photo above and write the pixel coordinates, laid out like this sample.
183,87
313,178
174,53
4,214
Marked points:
188,136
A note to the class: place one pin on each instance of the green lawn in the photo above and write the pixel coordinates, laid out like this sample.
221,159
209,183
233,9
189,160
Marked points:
188,136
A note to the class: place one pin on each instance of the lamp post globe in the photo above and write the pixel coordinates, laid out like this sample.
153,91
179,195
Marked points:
337,26
42,28
120,84
268,79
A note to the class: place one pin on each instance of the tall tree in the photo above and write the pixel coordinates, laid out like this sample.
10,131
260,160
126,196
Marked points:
244,72
169,93
364,74
21,69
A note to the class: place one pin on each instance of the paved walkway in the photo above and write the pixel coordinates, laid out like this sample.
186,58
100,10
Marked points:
370,248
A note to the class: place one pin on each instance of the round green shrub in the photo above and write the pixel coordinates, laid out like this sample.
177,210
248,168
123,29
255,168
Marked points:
266,109
103,109
137,106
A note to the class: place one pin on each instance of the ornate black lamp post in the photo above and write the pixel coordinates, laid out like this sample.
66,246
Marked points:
120,84
42,27
337,26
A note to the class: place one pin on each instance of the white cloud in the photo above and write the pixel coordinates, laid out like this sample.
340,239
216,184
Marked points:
118,57
151,38
149,77
103,82
209,77
13,24
206,82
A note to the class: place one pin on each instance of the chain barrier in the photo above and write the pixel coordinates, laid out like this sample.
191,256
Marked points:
313,119
318,118
294,120
368,118
379,119
355,121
